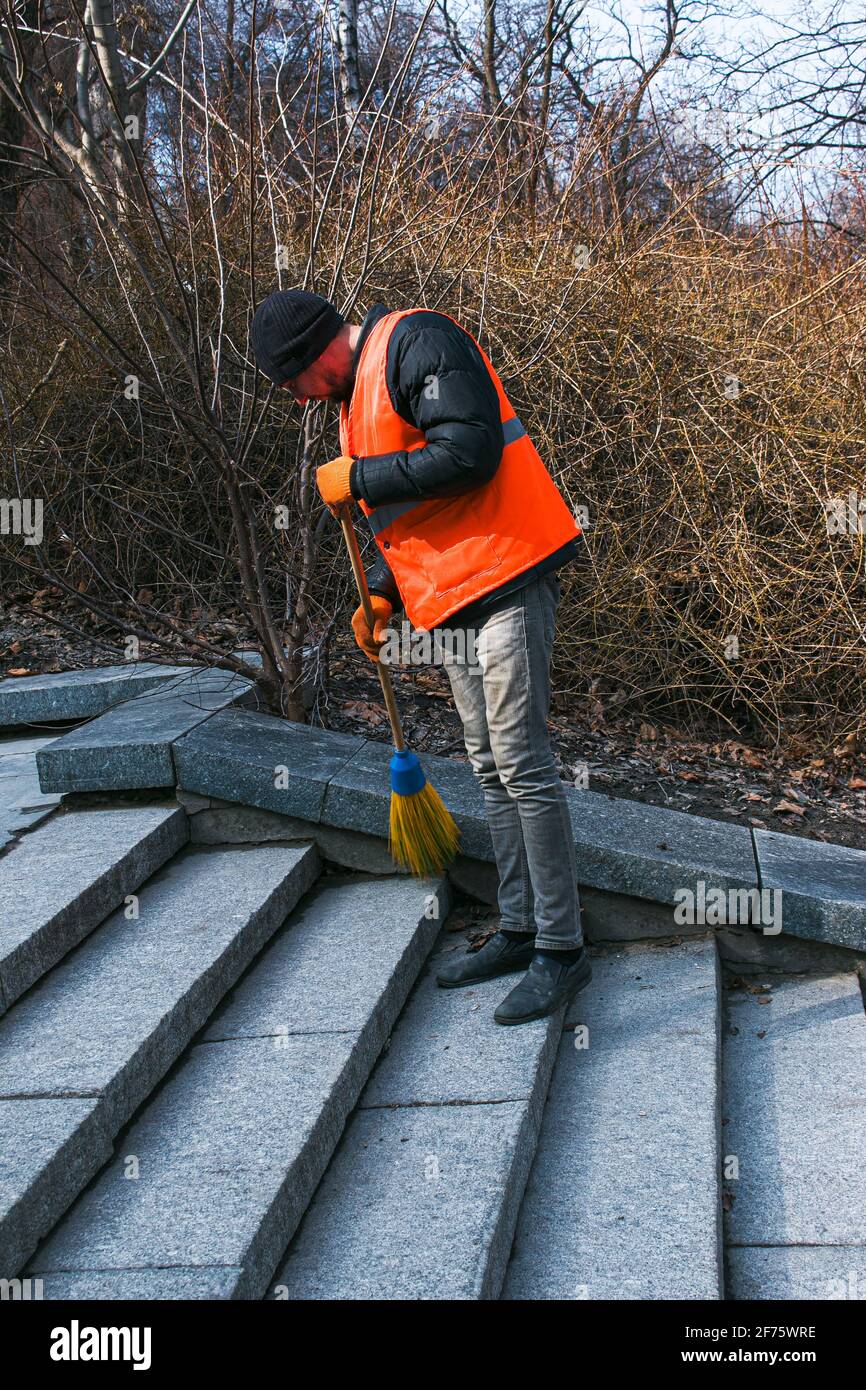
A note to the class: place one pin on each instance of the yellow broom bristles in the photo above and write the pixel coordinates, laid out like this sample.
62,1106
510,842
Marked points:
423,834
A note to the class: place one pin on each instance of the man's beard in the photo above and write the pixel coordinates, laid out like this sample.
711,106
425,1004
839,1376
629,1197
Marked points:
339,388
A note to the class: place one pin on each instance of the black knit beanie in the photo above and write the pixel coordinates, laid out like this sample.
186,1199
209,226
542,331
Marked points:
290,329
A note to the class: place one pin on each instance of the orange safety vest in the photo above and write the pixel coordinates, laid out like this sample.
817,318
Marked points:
445,552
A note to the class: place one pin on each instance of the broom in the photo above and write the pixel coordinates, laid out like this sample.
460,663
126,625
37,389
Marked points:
423,836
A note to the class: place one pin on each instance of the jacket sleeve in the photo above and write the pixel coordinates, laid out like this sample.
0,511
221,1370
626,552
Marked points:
380,580
439,384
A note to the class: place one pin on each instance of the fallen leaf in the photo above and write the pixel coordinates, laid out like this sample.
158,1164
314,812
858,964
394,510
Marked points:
788,808
362,709
18,671
750,986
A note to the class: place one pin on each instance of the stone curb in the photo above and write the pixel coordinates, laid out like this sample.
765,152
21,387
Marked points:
215,747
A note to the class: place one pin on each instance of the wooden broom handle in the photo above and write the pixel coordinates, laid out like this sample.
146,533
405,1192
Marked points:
361,580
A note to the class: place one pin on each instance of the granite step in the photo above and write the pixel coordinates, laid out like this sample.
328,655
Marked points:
210,1181
130,746
820,888
421,1197
23,803
794,1065
623,1201
66,695
61,880
87,1044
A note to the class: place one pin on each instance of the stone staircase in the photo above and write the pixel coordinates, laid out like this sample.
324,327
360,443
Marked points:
226,1071
208,1182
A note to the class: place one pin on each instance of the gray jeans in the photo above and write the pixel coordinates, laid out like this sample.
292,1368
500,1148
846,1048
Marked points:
502,691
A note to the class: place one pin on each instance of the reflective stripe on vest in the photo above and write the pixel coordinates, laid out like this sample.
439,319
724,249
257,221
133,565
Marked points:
380,517
512,429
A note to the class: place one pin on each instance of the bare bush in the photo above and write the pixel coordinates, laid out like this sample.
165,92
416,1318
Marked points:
693,380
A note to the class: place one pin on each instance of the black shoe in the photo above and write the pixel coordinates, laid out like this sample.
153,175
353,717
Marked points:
498,956
546,985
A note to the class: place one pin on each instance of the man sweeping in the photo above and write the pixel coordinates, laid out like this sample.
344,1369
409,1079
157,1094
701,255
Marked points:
471,530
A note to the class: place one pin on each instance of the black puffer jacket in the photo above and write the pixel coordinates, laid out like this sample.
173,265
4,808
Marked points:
458,413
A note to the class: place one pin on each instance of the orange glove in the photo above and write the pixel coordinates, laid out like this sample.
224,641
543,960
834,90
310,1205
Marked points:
368,641
332,480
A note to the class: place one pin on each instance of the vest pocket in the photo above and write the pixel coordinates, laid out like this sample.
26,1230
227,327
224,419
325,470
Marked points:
451,566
